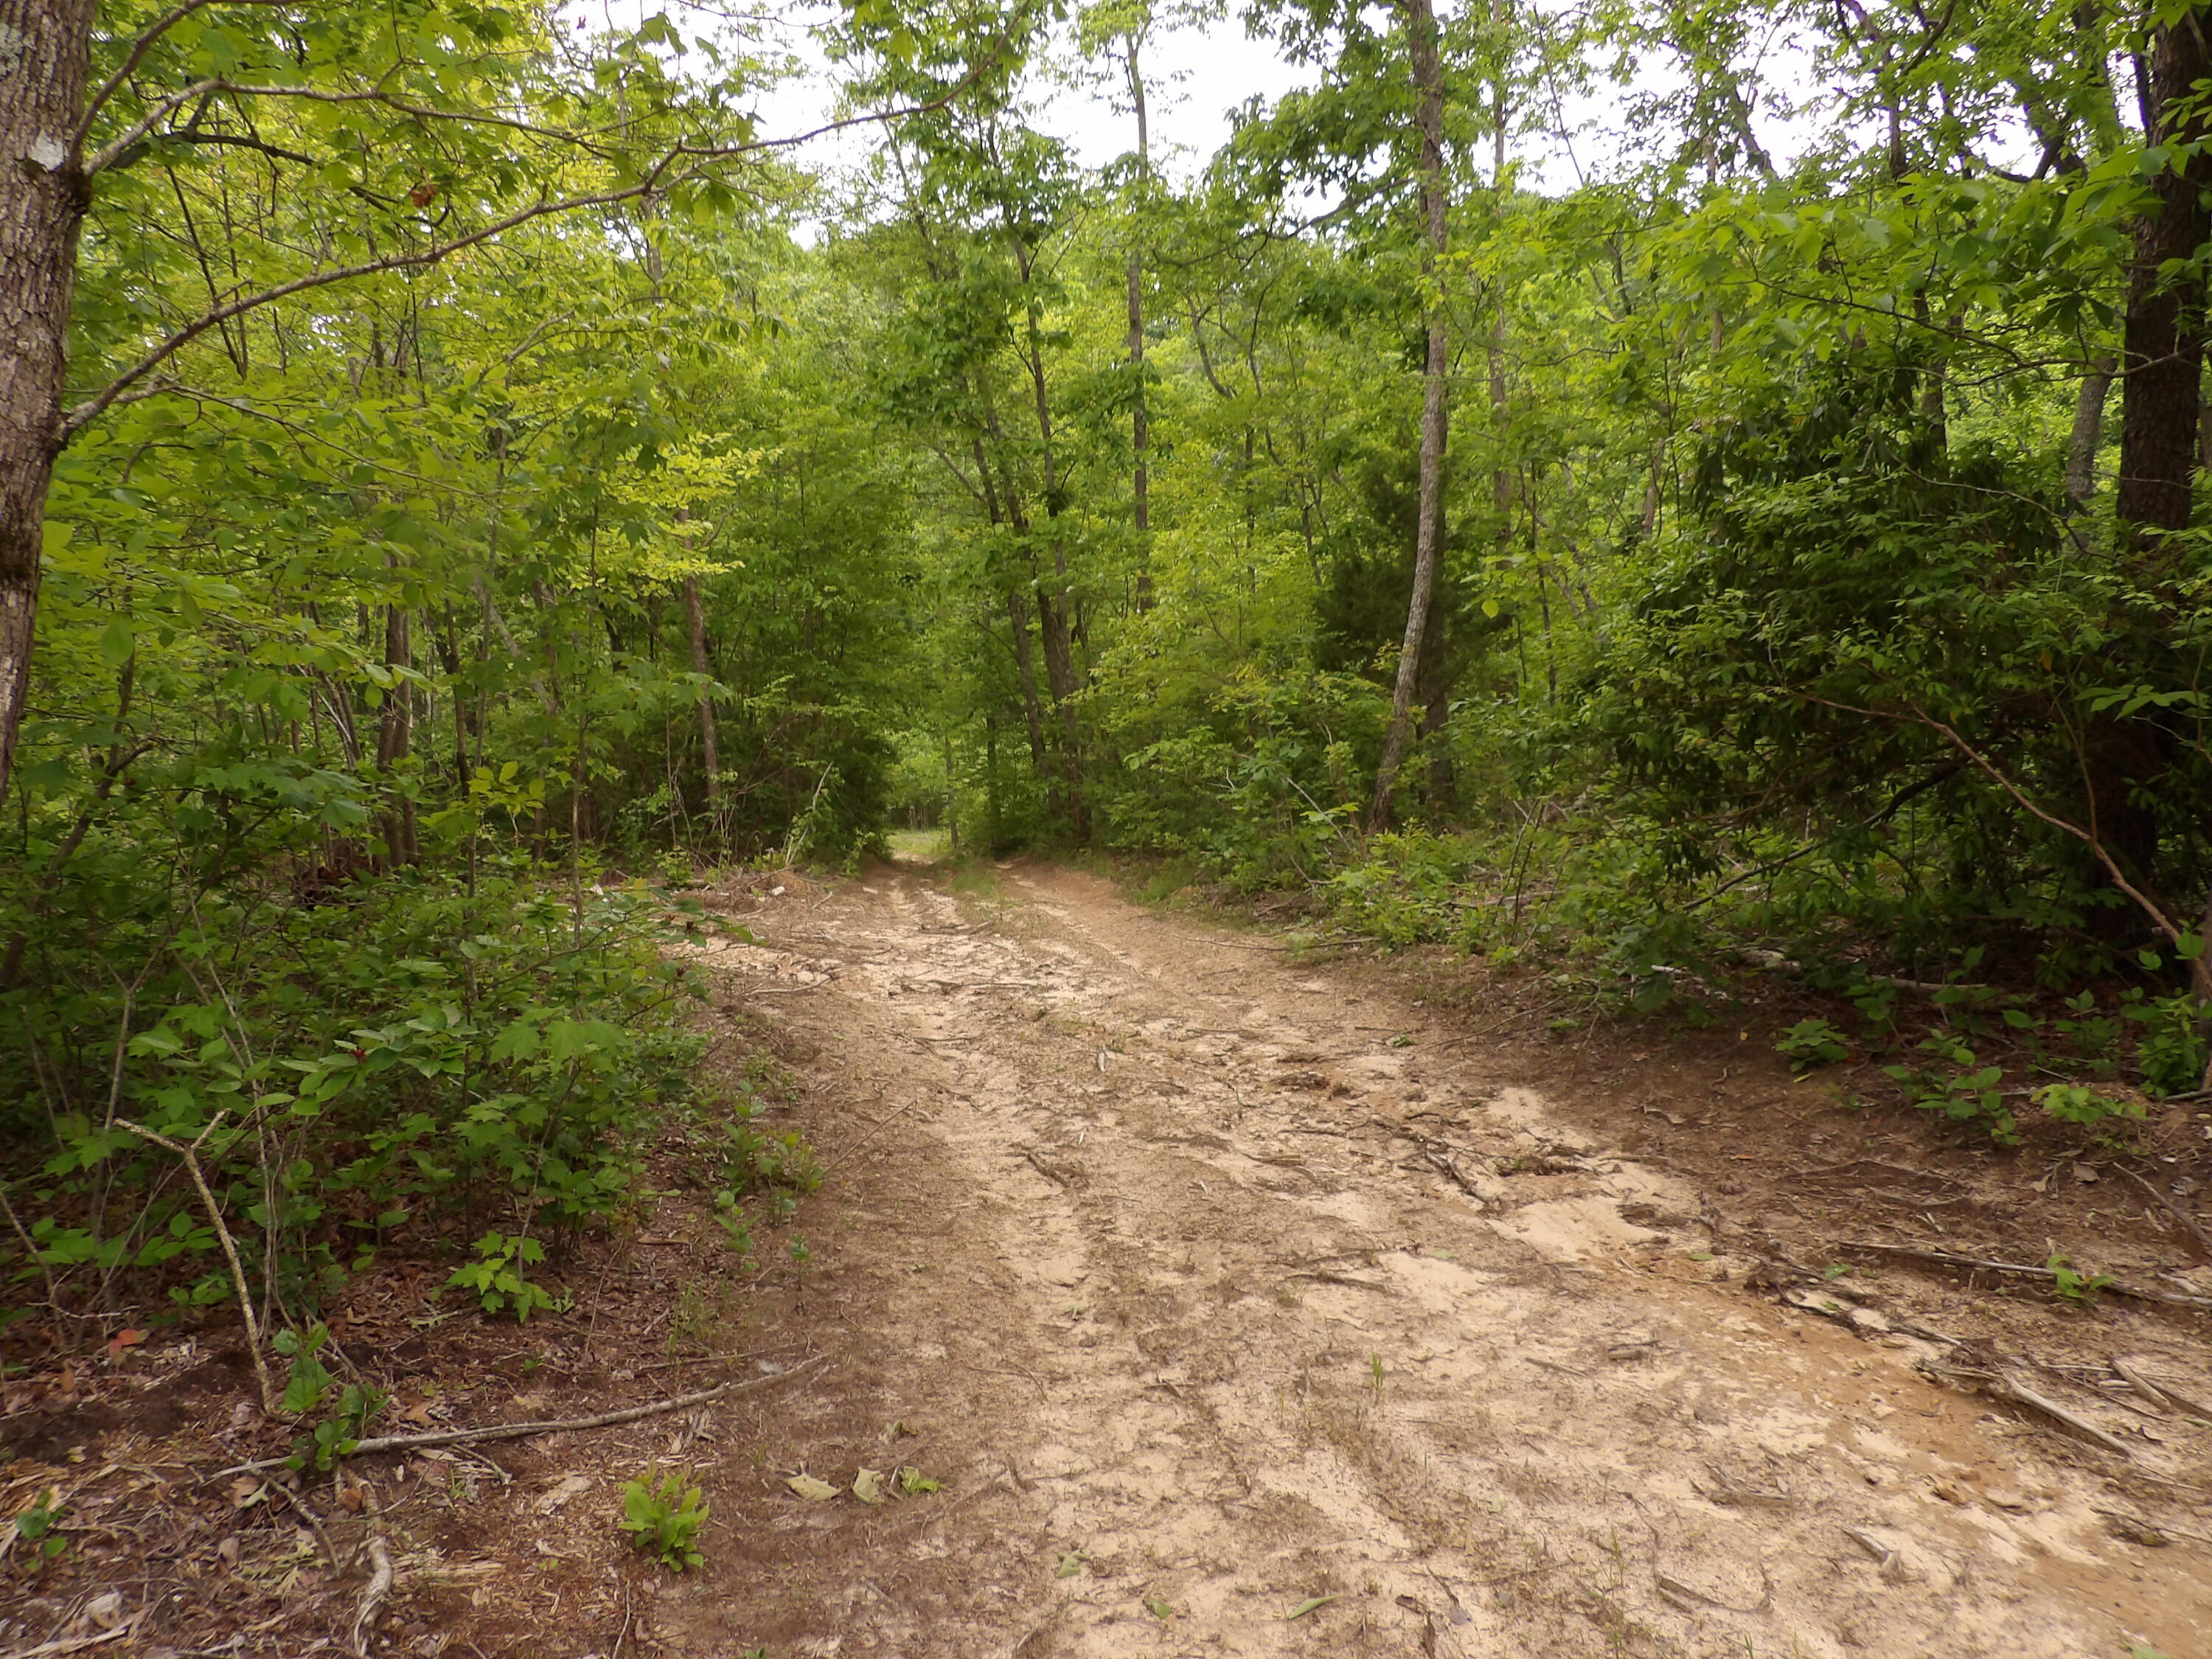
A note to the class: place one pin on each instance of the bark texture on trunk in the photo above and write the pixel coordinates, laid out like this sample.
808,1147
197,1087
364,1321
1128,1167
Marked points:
2163,349
44,58
1429,91
2162,364
695,617
2088,435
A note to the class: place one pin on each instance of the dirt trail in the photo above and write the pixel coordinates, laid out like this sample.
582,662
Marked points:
1195,1268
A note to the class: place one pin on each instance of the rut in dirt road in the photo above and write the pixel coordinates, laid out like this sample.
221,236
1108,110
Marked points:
1257,1321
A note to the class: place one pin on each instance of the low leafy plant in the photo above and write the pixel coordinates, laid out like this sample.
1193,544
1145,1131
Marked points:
2073,1285
1960,1087
497,1276
2170,1054
1810,1044
2079,1104
36,1525
754,1160
309,1387
664,1515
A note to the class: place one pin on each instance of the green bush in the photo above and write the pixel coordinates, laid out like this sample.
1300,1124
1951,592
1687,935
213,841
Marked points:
406,1061
664,1515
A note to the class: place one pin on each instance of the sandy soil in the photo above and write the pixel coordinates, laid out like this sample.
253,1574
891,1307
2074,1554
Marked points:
1212,1283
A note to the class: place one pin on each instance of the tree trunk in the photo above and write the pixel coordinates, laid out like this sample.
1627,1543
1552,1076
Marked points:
1139,427
43,196
1429,89
394,736
695,616
2088,435
1026,672
1055,600
2162,360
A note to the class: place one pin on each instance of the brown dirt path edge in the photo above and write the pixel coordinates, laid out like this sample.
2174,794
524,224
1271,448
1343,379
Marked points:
1125,1243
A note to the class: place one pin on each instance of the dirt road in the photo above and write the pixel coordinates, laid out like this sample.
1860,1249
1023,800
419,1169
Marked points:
1242,1310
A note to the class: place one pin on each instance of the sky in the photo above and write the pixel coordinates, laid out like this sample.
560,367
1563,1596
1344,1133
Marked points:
1196,75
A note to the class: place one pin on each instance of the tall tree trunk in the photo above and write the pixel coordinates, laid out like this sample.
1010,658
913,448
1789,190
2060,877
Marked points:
1055,600
2088,435
1429,89
395,734
1139,427
43,197
2162,363
1026,672
695,616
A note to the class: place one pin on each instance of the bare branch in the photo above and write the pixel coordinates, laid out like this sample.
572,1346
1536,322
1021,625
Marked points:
139,48
107,154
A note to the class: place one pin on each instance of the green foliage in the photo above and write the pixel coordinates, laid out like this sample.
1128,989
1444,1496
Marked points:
1811,1043
664,1515
1960,1087
2078,1105
405,1062
497,1277
37,1525
2073,1285
2170,1054
309,1388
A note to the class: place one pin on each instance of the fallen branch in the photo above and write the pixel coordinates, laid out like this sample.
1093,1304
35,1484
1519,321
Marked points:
2189,1224
2156,1390
1974,1263
74,1643
388,1442
372,1599
2007,1387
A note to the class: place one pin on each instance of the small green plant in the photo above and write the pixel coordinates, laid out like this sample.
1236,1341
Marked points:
2170,1054
308,1387
2073,1285
497,1276
2075,1104
36,1525
736,1230
1810,1044
912,1482
755,1161
1963,1091
663,1514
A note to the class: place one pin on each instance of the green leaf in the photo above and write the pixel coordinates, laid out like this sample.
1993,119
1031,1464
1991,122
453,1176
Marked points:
813,1491
1160,1608
117,643
1310,1604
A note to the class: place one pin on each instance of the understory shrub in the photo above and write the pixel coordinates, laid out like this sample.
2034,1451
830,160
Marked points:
401,1061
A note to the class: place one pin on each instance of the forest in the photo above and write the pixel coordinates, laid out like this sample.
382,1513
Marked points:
464,473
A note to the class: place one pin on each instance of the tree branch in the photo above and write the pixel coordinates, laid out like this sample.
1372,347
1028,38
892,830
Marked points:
695,159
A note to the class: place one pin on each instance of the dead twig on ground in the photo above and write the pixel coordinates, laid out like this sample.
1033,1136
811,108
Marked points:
2007,1387
2160,1391
522,1431
2188,1222
371,1598
1979,1264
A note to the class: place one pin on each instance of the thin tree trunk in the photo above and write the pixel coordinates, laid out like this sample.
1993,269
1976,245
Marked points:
395,733
1139,427
43,197
1025,672
695,616
1428,86
1055,599
2088,435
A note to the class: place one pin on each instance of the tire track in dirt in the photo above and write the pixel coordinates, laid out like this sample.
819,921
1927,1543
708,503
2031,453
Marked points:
1262,1323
